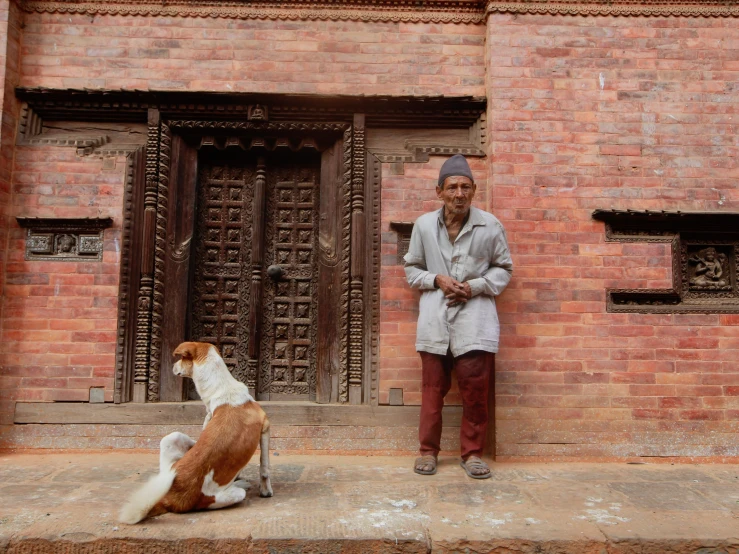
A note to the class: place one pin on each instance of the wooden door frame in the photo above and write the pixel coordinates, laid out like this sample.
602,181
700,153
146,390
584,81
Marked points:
162,298
143,239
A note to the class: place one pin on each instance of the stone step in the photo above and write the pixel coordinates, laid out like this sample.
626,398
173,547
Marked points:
297,427
356,505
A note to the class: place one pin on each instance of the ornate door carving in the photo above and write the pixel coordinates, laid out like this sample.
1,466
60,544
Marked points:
265,327
221,284
290,301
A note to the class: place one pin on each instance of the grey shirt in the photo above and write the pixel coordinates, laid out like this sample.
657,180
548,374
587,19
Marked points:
479,256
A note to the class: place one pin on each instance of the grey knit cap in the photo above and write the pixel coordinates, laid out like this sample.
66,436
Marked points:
455,166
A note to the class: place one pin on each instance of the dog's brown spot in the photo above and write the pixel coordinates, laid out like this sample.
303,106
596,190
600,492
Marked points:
226,445
195,351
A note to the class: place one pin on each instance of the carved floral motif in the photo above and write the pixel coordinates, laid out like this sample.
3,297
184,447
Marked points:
428,11
423,11
704,8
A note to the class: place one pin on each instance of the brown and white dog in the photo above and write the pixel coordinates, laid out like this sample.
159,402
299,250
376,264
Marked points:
199,475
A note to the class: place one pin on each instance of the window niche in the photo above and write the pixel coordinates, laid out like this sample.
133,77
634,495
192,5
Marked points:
705,260
404,230
60,239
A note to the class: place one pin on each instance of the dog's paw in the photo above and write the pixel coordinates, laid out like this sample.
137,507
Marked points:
242,484
265,490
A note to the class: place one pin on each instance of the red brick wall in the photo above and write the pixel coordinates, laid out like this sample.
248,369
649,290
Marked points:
404,198
319,57
9,74
584,113
59,324
627,113
59,319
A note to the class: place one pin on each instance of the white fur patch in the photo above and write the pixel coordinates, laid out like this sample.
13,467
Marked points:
210,487
215,384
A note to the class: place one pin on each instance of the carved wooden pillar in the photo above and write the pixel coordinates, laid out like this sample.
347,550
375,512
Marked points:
146,285
131,240
257,260
160,245
356,286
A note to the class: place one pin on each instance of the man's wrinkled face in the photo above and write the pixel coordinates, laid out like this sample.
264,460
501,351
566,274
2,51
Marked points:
457,193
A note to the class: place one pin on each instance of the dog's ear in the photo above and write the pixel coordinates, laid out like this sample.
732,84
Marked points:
196,351
201,351
186,350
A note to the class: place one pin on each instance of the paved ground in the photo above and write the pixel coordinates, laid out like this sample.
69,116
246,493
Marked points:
68,502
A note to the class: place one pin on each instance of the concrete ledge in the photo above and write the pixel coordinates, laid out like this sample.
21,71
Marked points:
192,413
358,505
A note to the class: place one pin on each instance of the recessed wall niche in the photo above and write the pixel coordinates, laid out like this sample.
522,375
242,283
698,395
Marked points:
705,260
404,230
58,239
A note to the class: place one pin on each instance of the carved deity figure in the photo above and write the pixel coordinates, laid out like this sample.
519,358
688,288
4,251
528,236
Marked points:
66,243
709,269
257,113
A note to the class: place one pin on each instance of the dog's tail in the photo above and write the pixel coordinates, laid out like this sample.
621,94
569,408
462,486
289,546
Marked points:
143,501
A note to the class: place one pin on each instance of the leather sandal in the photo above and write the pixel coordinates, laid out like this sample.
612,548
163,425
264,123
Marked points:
473,462
424,461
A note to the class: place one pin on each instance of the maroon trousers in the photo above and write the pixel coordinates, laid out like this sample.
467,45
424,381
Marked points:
473,375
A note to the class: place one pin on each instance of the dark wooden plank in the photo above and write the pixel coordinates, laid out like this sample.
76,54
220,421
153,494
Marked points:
146,278
192,413
329,275
180,228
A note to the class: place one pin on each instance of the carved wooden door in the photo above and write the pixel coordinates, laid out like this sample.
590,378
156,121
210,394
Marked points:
254,290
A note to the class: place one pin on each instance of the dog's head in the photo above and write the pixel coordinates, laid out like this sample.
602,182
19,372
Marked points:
191,353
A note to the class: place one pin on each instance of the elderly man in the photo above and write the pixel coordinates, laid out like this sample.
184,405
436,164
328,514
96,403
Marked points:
458,258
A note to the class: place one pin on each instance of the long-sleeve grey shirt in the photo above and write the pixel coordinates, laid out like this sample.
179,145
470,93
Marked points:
478,256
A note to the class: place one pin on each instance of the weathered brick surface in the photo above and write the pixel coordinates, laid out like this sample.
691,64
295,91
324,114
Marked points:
59,318
9,106
584,113
404,198
329,57
626,113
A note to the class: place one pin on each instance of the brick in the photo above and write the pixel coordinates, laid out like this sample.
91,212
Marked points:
561,142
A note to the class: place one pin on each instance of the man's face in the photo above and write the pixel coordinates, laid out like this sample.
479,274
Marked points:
457,193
